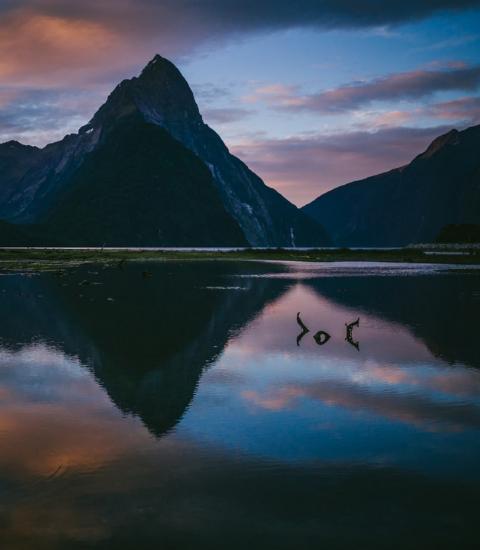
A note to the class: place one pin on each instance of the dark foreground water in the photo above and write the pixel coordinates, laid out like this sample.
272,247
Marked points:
179,407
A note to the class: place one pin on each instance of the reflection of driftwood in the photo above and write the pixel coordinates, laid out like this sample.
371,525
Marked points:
321,337
303,327
349,334
301,323
350,326
301,335
354,343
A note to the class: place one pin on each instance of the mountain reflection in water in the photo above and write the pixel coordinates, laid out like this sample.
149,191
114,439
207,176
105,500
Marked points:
178,411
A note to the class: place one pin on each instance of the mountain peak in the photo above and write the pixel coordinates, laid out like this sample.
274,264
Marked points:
161,68
157,63
178,176
160,94
156,58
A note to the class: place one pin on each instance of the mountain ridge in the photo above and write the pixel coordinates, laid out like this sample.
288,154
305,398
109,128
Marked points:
411,203
162,97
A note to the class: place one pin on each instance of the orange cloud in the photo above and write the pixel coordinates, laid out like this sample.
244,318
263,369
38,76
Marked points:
304,166
41,50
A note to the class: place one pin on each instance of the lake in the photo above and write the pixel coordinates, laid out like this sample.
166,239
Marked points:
177,405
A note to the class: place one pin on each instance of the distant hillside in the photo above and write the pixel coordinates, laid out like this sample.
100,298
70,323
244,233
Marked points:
410,204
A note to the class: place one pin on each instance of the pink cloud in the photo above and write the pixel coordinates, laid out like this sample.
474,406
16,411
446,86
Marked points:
465,108
412,85
419,411
304,167
393,118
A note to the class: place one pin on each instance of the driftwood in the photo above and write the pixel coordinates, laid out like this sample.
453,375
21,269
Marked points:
349,333
354,324
301,323
304,328
321,337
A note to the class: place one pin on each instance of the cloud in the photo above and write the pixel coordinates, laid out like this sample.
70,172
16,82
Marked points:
45,50
421,411
278,94
412,85
226,116
32,115
303,167
75,50
253,14
210,93
465,111
452,42
465,108
392,118
45,40
417,410
280,400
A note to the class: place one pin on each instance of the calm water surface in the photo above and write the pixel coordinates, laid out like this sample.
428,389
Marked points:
175,405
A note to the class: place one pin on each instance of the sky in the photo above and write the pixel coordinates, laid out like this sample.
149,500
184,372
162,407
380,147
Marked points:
310,94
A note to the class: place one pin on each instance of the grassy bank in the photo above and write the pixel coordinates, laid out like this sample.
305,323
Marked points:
47,259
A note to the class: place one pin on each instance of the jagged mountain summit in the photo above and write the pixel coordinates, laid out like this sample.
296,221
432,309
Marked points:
410,204
180,187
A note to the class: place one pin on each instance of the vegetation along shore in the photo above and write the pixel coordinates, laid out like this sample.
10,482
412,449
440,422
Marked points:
38,259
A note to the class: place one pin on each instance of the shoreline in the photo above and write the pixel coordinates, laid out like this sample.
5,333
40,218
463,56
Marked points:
41,259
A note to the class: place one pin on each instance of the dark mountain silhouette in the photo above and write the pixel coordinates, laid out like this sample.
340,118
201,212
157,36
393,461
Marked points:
459,233
148,137
142,187
18,235
409,204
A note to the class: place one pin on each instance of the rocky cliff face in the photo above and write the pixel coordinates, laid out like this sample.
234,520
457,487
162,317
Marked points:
141,187
410,204
35,178
164,98
161,97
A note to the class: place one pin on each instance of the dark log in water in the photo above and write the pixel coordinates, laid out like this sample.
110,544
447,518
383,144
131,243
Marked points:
304,328
301,323
349,335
